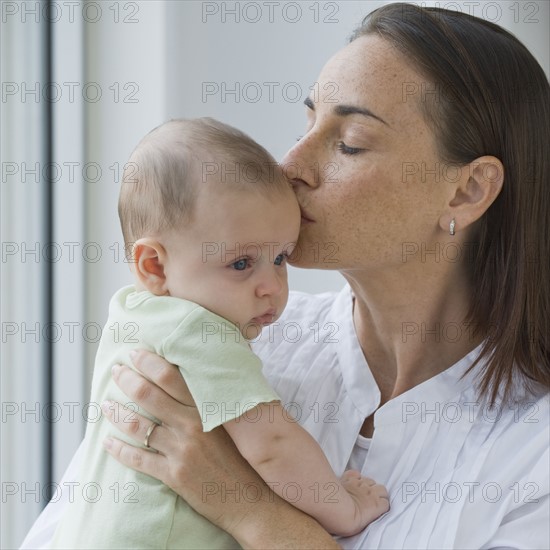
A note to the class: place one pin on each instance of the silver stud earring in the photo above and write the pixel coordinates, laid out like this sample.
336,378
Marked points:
452,227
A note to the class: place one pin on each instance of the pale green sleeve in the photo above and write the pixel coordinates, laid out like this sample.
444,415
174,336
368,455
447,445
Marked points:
222,373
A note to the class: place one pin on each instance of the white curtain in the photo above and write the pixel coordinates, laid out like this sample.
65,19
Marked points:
24,224
42,277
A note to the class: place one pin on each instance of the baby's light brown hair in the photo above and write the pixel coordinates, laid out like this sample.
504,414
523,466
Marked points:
166,170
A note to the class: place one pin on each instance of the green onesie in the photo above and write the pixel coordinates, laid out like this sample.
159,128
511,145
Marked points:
116,507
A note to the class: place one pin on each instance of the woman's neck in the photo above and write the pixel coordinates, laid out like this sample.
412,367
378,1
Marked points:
411,324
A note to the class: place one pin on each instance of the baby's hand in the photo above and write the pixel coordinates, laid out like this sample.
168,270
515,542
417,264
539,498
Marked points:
371,500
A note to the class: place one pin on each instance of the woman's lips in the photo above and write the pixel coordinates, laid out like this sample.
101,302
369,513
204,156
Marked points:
306,218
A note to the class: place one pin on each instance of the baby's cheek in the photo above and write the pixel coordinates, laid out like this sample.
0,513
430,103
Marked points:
284,296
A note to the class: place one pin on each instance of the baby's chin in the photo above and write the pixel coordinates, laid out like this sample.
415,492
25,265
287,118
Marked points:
252,330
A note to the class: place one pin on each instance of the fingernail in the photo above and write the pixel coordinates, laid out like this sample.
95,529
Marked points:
107,443
115,369
107,407
133,354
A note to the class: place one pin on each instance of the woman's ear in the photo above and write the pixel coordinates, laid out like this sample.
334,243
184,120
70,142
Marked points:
149,257
479,185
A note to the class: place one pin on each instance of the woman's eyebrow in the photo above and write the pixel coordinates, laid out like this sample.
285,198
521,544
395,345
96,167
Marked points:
344,110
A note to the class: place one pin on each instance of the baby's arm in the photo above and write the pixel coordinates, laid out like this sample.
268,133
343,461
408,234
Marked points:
294,466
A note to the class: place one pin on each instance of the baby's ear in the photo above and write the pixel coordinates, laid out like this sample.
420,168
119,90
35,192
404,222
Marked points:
148,257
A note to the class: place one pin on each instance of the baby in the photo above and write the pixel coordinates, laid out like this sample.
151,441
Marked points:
209,220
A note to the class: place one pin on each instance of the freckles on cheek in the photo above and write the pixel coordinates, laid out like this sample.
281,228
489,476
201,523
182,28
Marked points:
350,197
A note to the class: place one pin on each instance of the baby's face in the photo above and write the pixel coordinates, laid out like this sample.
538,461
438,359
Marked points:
231,259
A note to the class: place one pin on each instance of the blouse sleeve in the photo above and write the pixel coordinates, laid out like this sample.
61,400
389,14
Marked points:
224,376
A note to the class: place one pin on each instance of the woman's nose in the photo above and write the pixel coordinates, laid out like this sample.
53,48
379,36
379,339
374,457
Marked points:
301,163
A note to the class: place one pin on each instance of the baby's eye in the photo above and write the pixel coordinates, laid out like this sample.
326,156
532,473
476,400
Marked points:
279,260
240,265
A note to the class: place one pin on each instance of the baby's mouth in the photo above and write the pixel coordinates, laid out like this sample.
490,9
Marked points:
265,318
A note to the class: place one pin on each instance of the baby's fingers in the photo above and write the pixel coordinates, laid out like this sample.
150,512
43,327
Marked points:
353,477
380,491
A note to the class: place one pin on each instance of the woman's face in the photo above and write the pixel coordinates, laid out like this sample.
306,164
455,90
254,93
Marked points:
366,172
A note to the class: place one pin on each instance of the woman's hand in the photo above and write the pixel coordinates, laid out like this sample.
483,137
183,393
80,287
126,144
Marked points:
205,469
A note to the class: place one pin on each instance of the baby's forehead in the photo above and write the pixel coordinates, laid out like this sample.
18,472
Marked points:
242,173
236,188
229,224
232,206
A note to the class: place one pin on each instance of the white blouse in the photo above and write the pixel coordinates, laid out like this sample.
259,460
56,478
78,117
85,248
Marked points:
459,473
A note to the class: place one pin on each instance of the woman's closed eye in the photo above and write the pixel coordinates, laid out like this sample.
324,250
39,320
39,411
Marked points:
346,150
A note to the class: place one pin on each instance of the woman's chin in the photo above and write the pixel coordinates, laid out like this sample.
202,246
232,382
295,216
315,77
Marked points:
314,253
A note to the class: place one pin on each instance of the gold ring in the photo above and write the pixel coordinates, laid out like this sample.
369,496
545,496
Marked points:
148,434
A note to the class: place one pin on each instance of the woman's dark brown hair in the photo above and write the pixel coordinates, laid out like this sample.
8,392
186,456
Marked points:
493,99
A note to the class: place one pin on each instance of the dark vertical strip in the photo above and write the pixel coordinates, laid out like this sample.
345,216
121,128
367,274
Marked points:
49,238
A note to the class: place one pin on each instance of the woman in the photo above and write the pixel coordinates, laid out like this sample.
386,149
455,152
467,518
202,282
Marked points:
431,131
